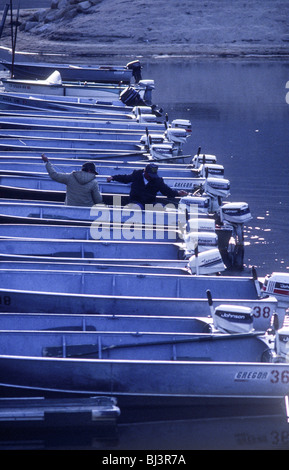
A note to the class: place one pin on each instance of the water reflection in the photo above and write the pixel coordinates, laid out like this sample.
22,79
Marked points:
235,433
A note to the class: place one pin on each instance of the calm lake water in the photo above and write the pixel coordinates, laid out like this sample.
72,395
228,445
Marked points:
239,113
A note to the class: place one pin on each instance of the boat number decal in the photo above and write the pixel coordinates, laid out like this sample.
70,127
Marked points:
5,300
278,376
264,312
275,376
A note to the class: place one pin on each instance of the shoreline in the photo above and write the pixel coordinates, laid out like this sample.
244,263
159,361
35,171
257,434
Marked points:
225,33
50,50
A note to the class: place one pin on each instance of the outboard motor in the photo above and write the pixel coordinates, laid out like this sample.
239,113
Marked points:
193,205
202,159
130,97
203,240
231,318
277,284
182,124
234,215
211,170
145,88
201,224
135,66
151,139
162,151
282,345
208,262
218,189
176,135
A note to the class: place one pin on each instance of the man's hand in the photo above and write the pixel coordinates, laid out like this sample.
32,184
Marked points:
109,179
183,193
44,158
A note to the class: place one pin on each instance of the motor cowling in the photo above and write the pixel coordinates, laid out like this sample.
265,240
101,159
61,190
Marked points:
146,84
236,212
182,124
201,159
208,262
151,139
217,187
277,284
195,204
233,319
211,170
162,151
130,97
282,344
203,240
201,224
176,135
137,110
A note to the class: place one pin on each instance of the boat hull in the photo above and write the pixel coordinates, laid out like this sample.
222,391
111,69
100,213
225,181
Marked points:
98,73
163,379
33,301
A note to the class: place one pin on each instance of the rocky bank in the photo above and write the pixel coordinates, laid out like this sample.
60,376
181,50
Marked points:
150,29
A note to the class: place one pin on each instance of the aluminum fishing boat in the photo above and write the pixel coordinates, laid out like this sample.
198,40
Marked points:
76,72
160,366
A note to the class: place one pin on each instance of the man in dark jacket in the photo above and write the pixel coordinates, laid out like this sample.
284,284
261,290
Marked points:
145,184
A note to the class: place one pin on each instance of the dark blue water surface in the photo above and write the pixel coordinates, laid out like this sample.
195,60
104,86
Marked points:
239,113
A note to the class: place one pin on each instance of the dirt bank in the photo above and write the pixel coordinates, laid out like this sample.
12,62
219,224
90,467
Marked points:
150,29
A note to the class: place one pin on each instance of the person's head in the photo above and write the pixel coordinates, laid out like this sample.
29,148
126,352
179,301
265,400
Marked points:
89,167
151,171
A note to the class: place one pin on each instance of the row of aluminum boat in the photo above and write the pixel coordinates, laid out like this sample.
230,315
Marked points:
117,301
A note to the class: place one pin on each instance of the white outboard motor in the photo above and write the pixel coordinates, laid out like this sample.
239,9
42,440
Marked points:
162,151
217,187
282,345
137,110
202,224
182,124
277,284
208,262
236,213
231,318
193,205
177,135
202,159
143,118
151,139
145,88
203,240
211,170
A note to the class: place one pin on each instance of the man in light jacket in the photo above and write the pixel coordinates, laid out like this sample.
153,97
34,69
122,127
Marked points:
81,186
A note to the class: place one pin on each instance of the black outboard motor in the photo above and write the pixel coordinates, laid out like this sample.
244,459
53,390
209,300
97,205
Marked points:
130,97
135,66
